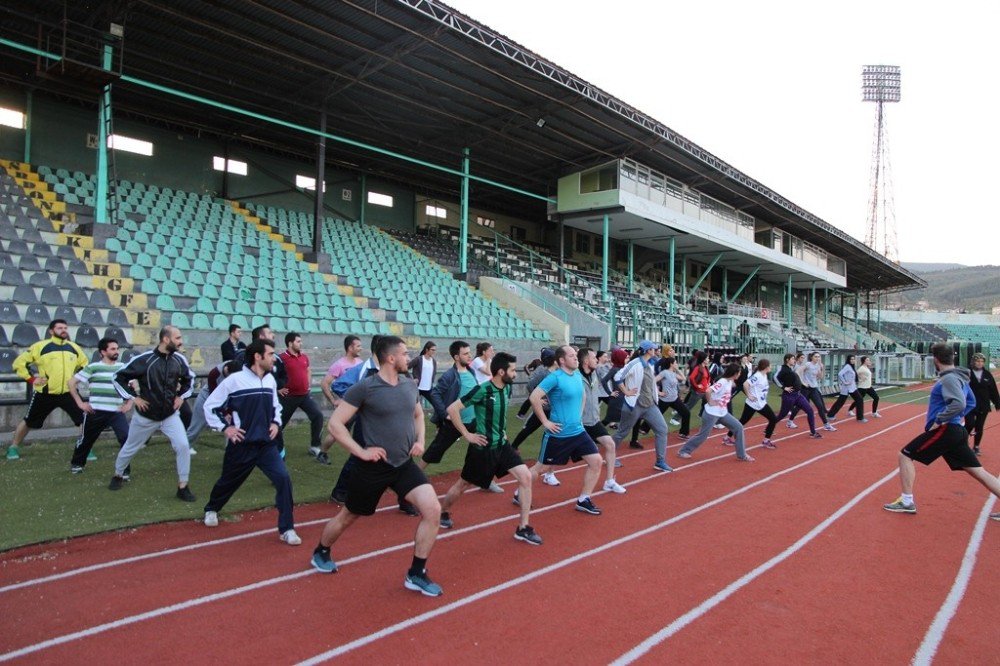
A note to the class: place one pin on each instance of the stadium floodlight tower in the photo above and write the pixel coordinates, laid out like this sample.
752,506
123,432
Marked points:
881,84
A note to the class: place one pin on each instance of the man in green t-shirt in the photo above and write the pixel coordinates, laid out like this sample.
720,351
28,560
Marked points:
490,454
105,409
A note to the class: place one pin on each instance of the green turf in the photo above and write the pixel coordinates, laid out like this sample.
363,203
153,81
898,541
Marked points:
42,501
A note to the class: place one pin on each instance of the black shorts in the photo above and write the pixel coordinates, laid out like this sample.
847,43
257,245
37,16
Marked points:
370,479
482,464
559,450
446,436
950,442
43,404
597,431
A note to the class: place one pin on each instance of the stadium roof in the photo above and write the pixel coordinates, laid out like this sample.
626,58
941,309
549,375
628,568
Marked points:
411,76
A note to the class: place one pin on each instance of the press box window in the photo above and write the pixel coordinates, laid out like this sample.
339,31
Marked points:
436,211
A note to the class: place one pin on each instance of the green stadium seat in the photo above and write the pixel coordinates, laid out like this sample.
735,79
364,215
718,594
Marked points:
180,320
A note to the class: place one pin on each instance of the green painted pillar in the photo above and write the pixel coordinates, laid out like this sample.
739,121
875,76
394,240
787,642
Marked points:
812,306
725,285
104,110
673,268
631,266
364,199
684,280
826,306
29,98
604,258
463,236
788,317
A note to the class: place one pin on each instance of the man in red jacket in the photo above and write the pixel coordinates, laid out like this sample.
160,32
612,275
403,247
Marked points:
297,391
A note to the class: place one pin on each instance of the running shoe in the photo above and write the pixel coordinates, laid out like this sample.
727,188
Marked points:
423,584
728,441
662,466
815,435
634,445
522,417
791,424
899,506
127,474
995,516
315,451
674,422
211,519
116,483
718,426
587,506
446,522
13,453
291,538
76,469
494,488
746,457
322,458
683,438
550,479
527,535
185,495
516,501
862,420
876,415
683,454
829,427
321,562
192,452
768,444
91,457
613,486
618,463
850,412
408,508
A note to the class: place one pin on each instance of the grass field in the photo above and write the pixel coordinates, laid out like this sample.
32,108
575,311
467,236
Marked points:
42,501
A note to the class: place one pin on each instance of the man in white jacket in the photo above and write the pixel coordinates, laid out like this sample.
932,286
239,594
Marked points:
637,382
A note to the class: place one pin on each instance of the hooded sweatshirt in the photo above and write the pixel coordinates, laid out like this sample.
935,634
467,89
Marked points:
951,399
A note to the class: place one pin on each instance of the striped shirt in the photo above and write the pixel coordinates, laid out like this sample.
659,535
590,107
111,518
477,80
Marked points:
490,405
98,377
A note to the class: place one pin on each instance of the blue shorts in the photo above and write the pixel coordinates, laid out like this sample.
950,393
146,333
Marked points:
559,450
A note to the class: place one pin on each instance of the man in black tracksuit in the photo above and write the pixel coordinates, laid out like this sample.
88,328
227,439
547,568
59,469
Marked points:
984,387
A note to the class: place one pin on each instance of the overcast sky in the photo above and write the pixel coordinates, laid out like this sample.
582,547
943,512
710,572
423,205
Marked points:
774,88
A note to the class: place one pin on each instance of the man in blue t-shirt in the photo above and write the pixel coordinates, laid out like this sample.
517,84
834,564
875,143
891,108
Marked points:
565,438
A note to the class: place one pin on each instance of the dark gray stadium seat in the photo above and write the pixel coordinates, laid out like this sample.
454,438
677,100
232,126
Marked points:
65,252
27,262
118,335
4,340
43,279
6,260
11,276
92,317
86,336
25,294
67,313
52,296
30,236
117,317
77,266
96,356
99,299
9,314
65,280
8,231
39,248
18,247
37,314
78,297
7,357
54,265
25,335
126,355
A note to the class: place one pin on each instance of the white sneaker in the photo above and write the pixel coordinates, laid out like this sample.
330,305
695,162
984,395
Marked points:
550,479
192,451
613,486
314,451
674,422
211,519
718,426
829,428
291,538
791,424
494,488
876,415
850,412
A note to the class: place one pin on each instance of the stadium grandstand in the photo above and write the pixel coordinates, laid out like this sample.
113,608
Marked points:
161,161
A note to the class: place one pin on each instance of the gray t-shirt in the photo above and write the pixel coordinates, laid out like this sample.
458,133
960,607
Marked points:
647,392
811,375
591,408
668,384
386,414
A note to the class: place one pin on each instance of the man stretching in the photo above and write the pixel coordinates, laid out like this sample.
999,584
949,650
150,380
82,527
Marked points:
490,454
944,435
387,405
105,408
592,418
298,391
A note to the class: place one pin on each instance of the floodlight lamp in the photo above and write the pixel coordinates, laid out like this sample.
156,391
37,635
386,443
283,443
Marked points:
880,83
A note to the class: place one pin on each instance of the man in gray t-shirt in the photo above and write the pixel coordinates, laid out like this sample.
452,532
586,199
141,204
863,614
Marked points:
392,420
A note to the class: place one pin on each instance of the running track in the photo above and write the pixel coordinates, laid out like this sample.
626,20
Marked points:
787,560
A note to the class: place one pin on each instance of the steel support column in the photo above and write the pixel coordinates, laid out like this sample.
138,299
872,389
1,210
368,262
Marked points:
318,216
103,113
788,316
463,236
673,268
604,257
736,294
631,266
708,271
28,100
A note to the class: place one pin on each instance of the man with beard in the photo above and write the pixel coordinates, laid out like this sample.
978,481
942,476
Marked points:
490,454
105,408
56,360
165,380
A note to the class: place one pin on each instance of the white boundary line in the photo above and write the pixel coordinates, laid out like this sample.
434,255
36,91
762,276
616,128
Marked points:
198,601
726,592
935,633
239,537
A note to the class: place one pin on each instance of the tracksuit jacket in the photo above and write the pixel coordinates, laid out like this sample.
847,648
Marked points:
252,402
57,359
161,378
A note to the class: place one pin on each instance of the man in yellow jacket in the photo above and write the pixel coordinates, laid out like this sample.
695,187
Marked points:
56,360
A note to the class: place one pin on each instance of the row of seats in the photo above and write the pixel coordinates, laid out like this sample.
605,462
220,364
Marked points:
11,313
25,334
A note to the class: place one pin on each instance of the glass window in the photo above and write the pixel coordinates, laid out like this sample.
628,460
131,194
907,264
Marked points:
129,145
11,118
436,211
306,183
232,166
380,199
600,179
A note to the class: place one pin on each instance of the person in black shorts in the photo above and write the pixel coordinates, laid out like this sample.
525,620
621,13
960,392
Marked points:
387,405
490,454
944,436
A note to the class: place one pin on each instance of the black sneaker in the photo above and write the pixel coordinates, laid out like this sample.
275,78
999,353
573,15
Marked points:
76,469
446,521
116,483
127,474
407,508
587,507
527,534
516,501
185,495
634,445
322,458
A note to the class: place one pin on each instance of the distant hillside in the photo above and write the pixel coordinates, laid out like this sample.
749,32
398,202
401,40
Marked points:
969,288
929,268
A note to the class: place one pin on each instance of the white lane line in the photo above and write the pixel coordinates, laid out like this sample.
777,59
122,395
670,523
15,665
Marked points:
935,633
419,619
218,542
726,592
198,601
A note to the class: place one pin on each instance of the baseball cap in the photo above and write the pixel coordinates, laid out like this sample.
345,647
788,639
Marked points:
646,345
548,355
